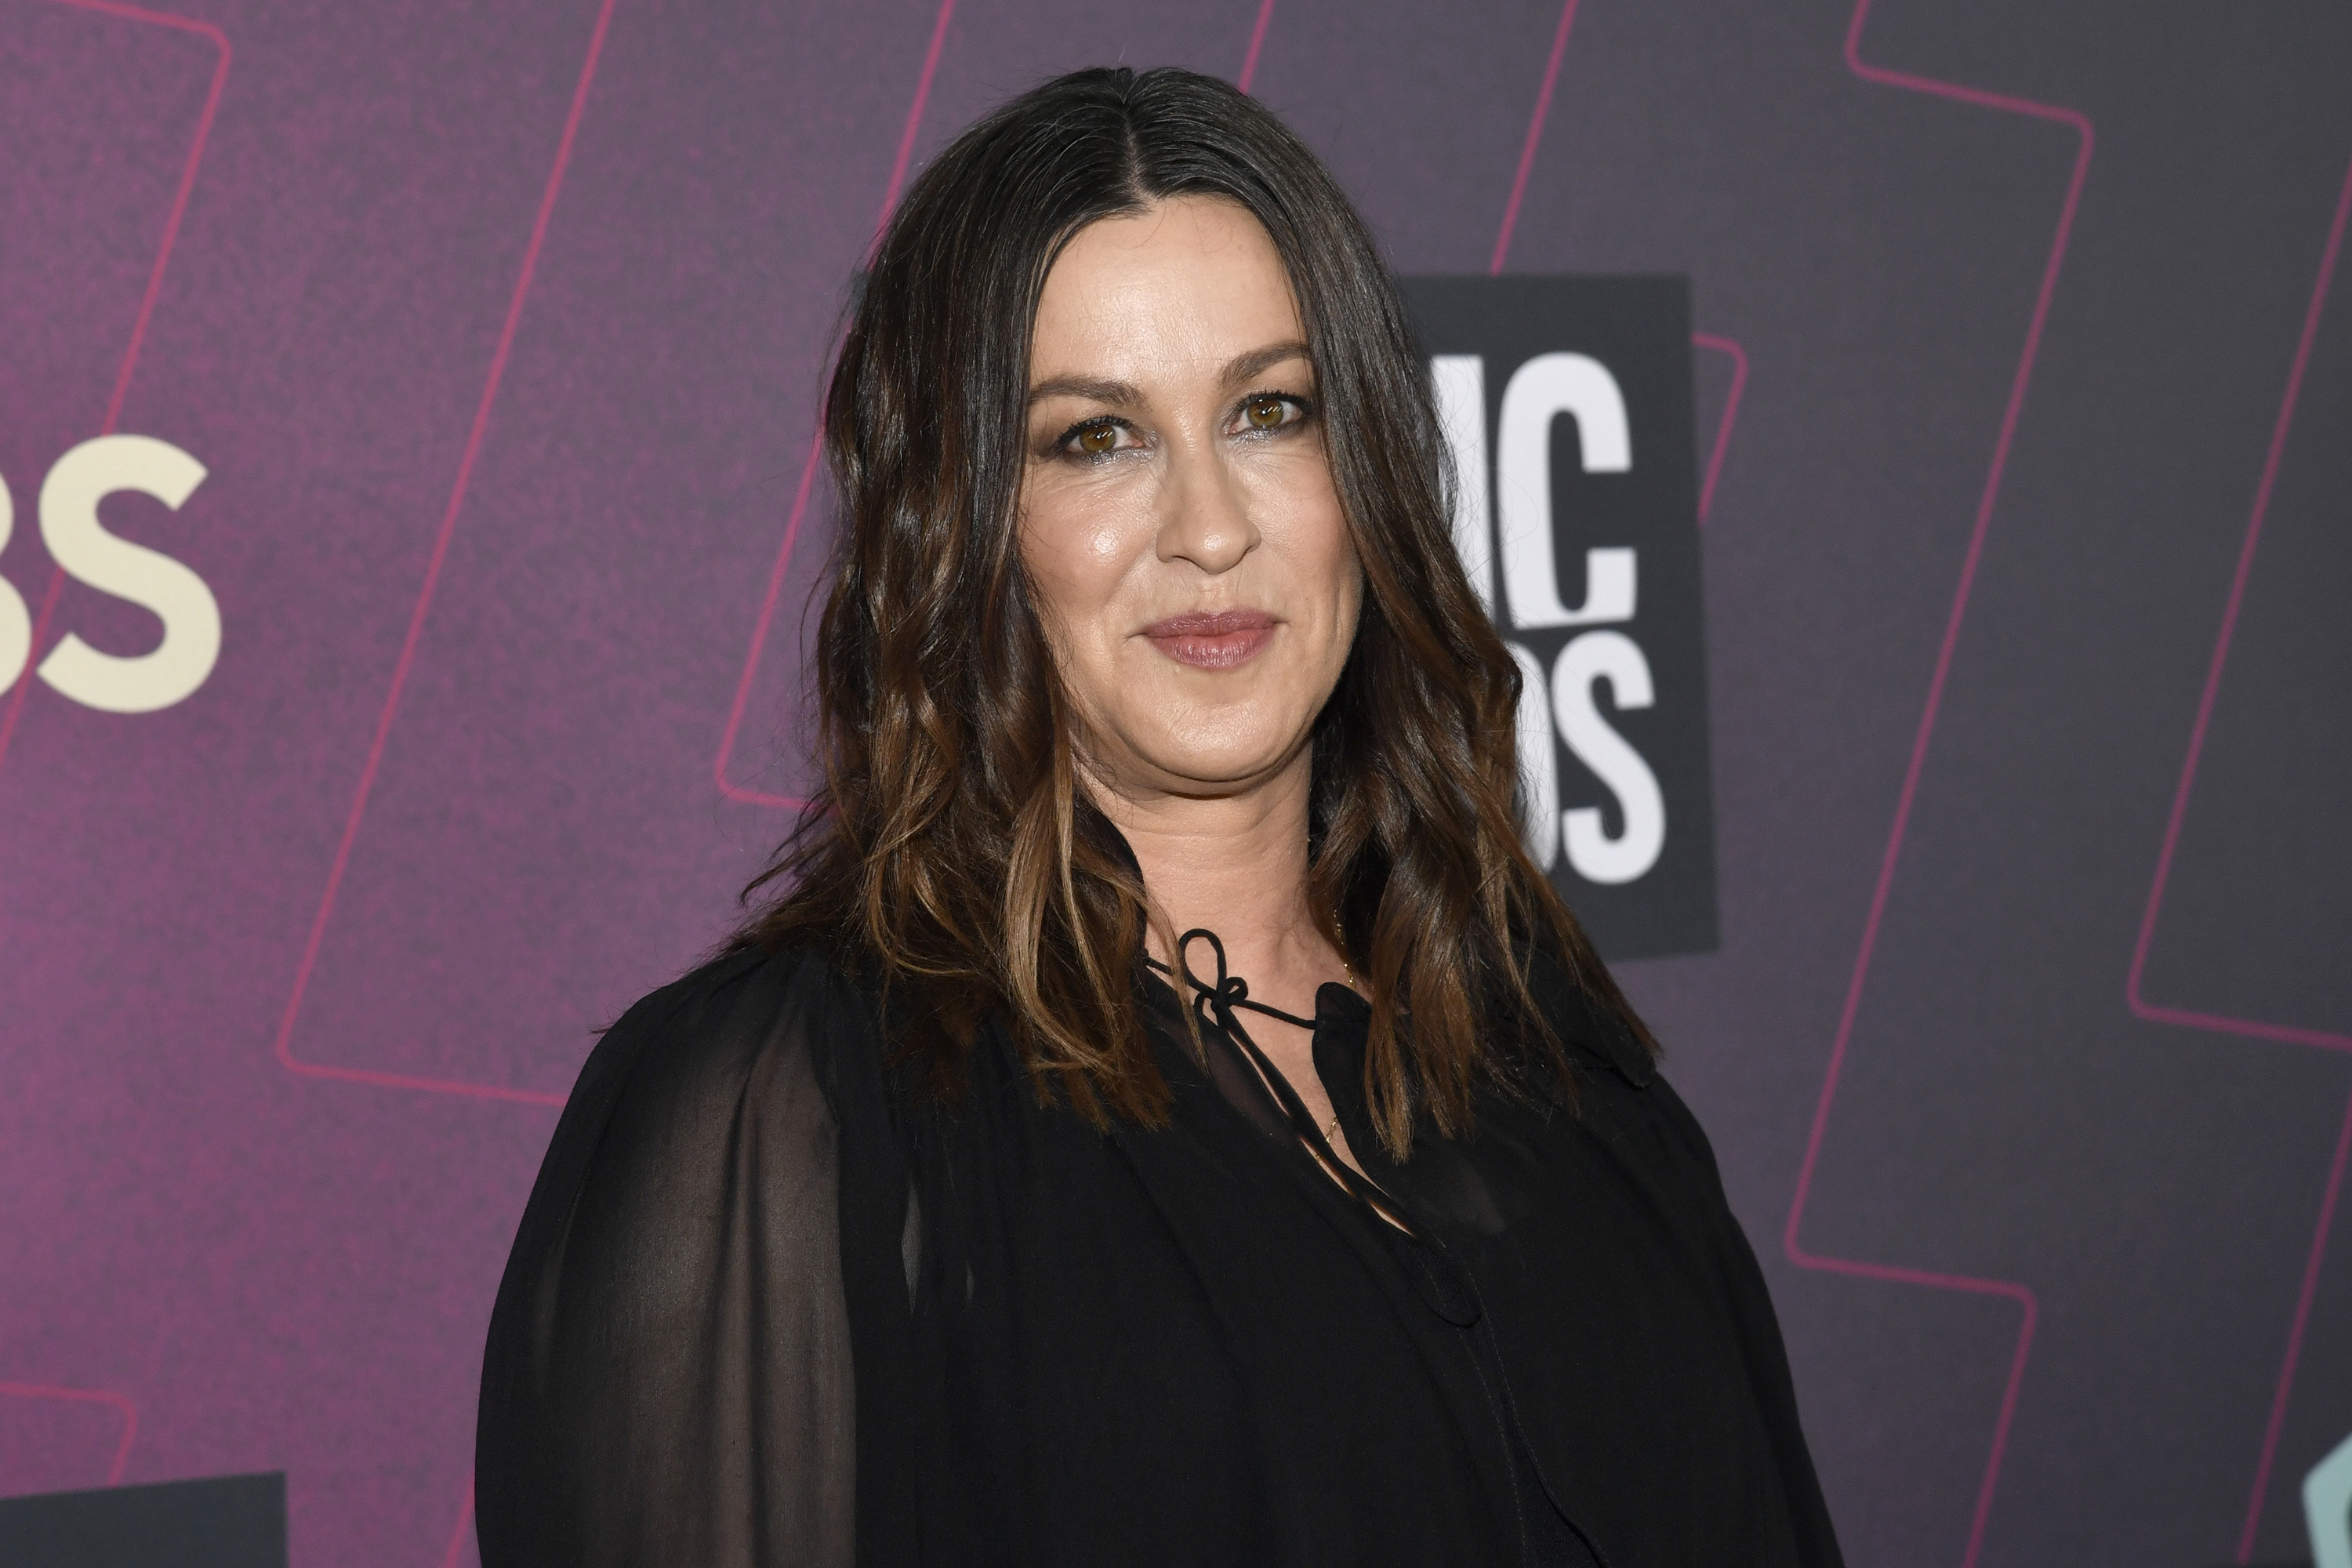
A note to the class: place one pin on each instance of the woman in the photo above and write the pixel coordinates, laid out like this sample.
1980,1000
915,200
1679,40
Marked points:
974,1207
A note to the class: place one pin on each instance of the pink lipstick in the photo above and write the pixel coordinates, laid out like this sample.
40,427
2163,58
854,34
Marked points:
1222,640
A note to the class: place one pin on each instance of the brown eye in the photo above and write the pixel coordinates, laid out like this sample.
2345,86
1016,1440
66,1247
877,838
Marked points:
1263,413
1098,439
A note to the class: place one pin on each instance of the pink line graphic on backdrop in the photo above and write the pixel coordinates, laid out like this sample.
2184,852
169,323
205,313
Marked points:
117,1402
2140,1006
179,209
450,1558
416,631
915,115
1534,136
219,40
1713,341
2310,1288
2028,1308
1721,345
2157,1013
775,589
760,629
1257,44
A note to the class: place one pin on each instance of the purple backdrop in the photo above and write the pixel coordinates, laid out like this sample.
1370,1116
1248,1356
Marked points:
499,330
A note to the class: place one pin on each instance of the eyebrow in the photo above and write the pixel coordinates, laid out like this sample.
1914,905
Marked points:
1118,394
1242,367
1247,367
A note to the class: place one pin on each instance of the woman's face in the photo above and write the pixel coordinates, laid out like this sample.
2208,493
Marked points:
1179,523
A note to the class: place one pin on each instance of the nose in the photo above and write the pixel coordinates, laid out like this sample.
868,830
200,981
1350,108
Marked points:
1205,517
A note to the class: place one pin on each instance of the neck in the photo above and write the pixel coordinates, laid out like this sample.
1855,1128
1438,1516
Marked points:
1236,864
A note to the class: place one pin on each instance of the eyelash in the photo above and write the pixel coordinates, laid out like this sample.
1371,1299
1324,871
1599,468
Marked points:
1304,406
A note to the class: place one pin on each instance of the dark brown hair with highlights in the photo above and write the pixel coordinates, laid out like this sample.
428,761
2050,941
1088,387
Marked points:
952,848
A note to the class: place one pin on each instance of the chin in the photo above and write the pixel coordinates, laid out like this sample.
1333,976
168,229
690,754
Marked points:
1229,763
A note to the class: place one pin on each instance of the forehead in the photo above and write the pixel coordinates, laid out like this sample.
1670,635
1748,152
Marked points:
1189,281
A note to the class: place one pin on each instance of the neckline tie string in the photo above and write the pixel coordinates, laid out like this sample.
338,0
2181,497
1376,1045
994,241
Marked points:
1219,1007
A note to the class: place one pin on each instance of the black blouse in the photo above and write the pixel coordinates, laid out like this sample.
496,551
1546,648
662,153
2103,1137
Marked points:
772,1303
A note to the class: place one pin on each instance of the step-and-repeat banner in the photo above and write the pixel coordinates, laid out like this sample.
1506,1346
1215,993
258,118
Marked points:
1906,448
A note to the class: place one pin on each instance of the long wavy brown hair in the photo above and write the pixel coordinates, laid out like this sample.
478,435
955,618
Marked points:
952,848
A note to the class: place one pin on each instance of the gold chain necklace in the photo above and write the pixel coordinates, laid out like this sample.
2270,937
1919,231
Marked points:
1339,948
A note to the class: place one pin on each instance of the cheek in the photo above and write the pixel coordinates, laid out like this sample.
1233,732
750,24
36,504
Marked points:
1321,547
1079,543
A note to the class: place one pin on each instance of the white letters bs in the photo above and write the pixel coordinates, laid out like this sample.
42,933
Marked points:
1539,391
80,545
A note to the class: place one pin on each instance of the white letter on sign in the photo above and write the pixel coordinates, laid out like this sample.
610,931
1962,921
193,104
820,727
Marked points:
1544,388
1538,768
1460,381
16,624
1614,658
148,578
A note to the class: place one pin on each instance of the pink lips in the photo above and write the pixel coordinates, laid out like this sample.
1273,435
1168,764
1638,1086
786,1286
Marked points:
1220,641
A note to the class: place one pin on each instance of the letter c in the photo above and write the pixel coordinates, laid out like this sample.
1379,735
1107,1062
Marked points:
1538,392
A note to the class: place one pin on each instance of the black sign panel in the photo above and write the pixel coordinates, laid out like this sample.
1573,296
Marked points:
1568,404
224,1522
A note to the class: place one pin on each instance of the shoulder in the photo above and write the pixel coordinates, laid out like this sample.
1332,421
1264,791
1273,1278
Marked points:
692,1185
726,1098
748,1035
1597,1039
1622,1097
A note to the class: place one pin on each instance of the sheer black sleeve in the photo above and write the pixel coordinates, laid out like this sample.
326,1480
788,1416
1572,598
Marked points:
1766,1357
669,1372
